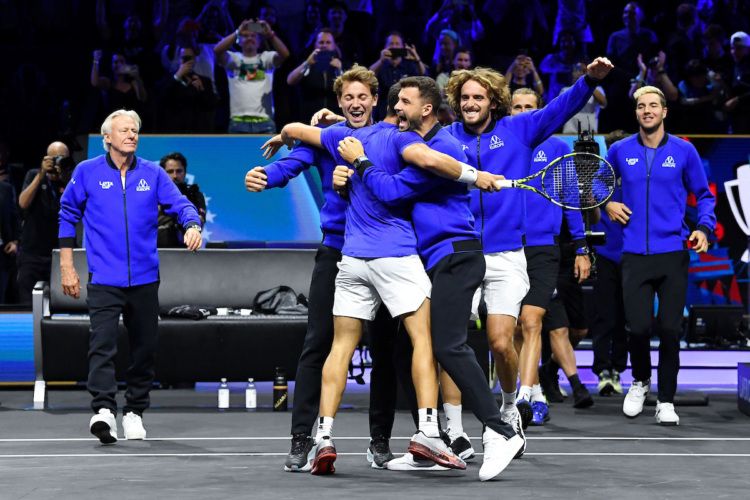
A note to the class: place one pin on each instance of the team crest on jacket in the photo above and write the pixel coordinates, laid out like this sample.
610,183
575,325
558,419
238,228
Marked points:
464,147
496,142
106,184
669,162
540,157
143,186
631,161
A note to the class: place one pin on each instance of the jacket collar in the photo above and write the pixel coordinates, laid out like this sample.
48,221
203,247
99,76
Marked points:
489,128
112,163
662,143
433,132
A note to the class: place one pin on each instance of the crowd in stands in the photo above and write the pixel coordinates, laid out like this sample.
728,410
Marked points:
251,66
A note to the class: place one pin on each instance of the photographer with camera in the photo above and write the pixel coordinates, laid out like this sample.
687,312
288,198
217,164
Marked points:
40,203
316,75
523,74
397,60
170,233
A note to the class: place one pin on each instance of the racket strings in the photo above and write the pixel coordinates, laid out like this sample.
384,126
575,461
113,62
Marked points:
579,181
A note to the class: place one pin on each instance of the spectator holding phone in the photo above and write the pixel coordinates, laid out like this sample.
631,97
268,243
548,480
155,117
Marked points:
250,76
397,60
124,88
187,102
316,74
523,74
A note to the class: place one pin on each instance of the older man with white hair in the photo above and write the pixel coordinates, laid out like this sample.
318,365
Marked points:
117,196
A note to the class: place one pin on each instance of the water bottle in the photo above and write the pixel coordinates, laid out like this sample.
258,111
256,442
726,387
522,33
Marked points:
223,395
280,390
251,395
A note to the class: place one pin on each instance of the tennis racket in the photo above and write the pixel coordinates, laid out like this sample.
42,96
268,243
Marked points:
576,181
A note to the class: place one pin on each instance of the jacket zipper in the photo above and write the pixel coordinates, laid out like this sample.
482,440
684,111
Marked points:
125,208
481,194
648,189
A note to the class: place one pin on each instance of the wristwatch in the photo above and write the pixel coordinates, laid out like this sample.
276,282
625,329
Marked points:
359,161
584,250
197,227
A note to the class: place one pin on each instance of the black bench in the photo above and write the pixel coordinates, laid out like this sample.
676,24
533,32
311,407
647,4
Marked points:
231,347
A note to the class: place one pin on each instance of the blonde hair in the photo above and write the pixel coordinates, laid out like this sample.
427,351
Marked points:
649,89
107,125
528,91
356,73
492,81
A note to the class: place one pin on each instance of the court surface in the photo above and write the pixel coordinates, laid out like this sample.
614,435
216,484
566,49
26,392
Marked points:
194,451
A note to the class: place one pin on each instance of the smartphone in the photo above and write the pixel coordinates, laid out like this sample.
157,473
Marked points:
255,27
398,52
324,57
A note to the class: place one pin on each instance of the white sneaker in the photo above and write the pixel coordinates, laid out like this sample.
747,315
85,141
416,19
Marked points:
409,462
132,426
512,417
104,426
665,414
498,453
632,405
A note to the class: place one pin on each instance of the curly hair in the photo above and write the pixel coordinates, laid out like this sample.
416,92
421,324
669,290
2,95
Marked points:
491,80
356,73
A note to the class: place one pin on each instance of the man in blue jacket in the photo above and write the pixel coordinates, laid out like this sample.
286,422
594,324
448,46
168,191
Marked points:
542,254
357,91
118,196
658,171
449,247
502,144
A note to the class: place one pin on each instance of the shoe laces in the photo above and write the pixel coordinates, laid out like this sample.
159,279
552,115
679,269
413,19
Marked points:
299,442
637,389
380,445
666,407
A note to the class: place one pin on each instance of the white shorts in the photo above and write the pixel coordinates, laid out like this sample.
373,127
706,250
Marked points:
505,283
400,283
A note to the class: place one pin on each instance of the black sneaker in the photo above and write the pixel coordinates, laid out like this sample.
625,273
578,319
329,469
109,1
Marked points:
550,384
379,452
581,397
527,413
300,456
606,385
461,446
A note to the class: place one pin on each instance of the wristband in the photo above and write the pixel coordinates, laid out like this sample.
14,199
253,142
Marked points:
468,175
237,36
584,250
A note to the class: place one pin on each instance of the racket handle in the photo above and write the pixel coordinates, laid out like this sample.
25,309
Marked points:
505,183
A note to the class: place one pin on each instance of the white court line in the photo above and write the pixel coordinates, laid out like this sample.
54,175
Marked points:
404,438
576,454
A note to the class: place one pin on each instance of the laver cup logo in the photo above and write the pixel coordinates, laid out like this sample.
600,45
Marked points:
741,210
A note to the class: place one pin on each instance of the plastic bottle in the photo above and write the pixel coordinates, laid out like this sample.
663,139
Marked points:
223,395
251,395
280,390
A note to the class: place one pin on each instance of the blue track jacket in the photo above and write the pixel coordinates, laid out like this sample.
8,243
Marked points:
505,148
333,212
120,225
655,186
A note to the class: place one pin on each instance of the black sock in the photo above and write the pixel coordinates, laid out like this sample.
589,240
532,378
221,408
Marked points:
575,382
552,366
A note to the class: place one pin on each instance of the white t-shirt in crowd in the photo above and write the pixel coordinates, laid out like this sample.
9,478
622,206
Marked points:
251,84
588,117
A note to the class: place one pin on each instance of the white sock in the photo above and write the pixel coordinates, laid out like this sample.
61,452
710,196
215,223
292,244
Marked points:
325,428
509,400
537,394
428,422
524,393
455,423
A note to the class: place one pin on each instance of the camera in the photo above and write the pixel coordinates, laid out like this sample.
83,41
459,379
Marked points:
653,62
63,163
